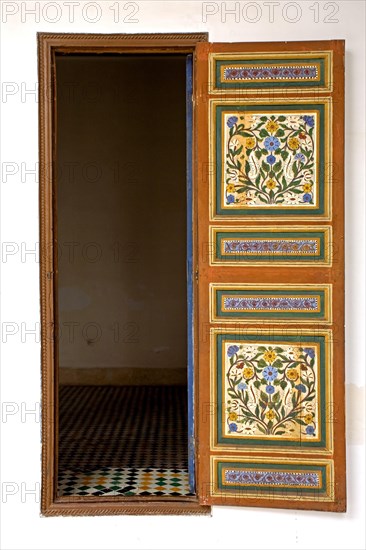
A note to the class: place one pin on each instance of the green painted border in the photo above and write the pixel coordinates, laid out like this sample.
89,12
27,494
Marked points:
264,466
235,85
243,258
220,210
273,339
274,314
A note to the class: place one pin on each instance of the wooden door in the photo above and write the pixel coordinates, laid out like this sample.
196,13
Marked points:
270,123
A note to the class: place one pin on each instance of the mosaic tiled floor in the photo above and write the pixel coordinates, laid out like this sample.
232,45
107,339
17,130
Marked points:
125,482
124,440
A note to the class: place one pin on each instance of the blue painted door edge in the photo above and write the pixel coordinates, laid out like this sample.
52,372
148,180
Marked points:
190,305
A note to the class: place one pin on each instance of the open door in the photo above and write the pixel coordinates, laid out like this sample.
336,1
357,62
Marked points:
270,124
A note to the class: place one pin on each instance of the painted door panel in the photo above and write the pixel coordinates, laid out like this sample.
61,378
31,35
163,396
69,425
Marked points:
269,171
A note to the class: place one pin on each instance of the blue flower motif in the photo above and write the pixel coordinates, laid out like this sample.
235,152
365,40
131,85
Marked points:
233,427
271,143
301,388
310,430
230,199
232,121
300,157
307,197
232,350
270,389
242,386
310,352
270,373
309,120
271,159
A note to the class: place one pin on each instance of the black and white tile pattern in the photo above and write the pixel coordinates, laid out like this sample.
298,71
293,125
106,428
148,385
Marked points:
123,440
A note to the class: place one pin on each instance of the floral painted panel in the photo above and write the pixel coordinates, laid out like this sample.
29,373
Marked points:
275,303
305,245
274,478
271,392
256,71
265,73
284,303
272,246
270,159
271,478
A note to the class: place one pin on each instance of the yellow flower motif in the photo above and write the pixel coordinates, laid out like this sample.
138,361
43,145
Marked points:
269,356
292,374
230,188
272,126
233,416
308,418
244,198
306,187
248,372
250,143
270,414
296,353
293,143
271,184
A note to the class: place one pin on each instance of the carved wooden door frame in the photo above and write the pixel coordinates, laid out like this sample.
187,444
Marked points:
48,46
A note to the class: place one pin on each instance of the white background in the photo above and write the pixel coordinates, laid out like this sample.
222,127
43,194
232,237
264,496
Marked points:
22,526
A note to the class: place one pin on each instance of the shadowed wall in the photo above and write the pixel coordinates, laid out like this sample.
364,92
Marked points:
122,217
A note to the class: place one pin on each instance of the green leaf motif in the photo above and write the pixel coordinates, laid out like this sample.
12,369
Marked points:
277,364
264,397
276,397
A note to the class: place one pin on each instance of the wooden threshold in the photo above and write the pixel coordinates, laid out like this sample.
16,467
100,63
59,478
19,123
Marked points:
113,506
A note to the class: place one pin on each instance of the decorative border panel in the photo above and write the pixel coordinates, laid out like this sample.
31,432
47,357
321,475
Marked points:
271,390
271,71
297,245
271,74
273,303
270,160
260,478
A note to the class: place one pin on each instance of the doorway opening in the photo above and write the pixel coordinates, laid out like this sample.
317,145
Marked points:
124,277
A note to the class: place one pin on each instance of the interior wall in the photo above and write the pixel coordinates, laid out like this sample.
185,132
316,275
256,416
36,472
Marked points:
121,217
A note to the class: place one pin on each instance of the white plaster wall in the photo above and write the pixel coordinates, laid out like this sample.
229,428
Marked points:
22,527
